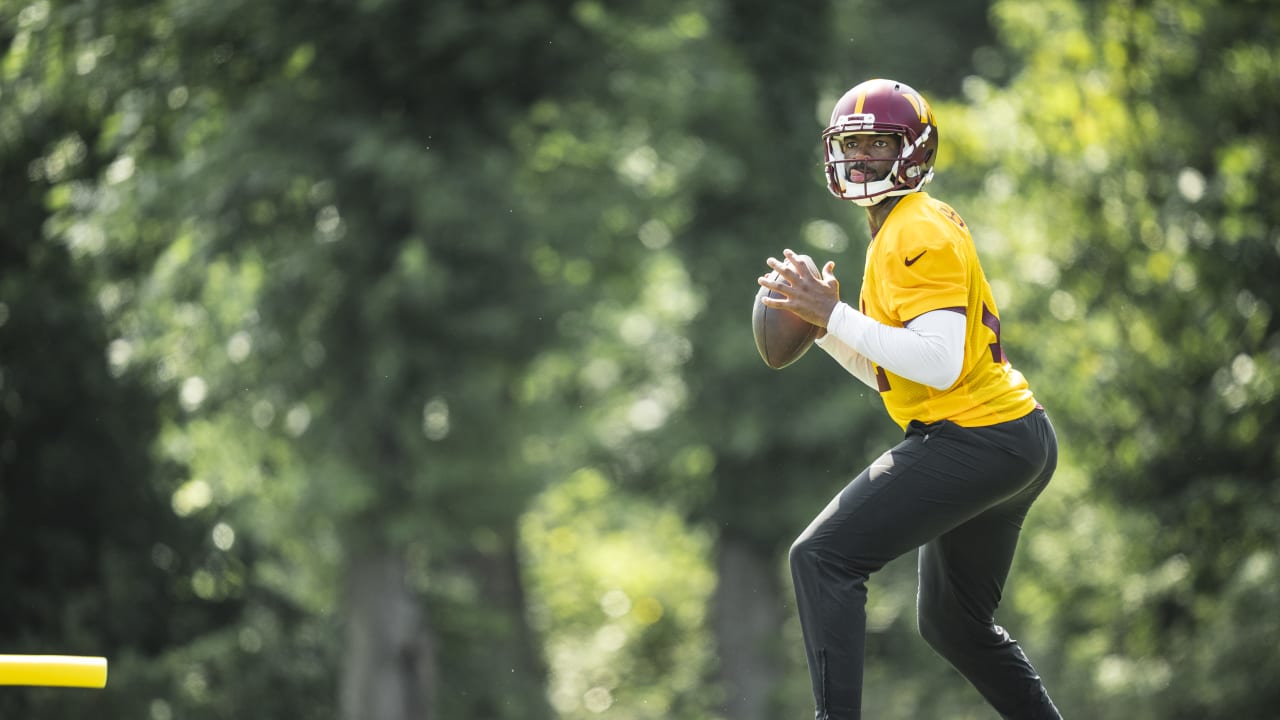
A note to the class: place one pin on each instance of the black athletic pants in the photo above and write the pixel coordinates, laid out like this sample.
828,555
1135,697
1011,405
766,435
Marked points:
960,495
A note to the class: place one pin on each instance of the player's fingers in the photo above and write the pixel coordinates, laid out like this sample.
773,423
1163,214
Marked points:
794,263
778,298
772,284
806,263
801,260
829,271
785,270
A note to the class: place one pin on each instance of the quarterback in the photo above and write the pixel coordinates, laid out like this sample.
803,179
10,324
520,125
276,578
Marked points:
977,448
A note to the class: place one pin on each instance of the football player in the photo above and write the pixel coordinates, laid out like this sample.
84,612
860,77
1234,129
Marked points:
977,450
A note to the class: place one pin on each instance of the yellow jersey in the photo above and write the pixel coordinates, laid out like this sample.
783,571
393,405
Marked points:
923,259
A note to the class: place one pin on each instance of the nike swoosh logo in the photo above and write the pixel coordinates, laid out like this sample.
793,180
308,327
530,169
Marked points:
912,261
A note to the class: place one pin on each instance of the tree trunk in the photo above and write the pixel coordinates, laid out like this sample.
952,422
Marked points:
388,668
748,622
505,655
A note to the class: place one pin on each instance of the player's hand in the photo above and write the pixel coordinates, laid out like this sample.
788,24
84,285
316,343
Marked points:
812,298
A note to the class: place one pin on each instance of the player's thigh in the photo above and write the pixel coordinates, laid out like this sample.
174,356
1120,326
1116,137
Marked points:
970,562
904,499
969,565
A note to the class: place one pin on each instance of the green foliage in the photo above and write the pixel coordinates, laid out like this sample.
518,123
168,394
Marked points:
98,563
317,246
283,285
623,589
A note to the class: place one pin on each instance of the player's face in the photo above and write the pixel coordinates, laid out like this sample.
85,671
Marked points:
872,155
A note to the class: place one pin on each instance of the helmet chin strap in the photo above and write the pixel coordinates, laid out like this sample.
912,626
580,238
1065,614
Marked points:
869,201
885,187
876,190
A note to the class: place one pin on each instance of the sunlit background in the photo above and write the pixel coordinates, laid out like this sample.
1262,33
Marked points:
388,359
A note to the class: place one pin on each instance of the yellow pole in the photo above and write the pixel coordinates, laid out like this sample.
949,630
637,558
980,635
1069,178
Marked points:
53,670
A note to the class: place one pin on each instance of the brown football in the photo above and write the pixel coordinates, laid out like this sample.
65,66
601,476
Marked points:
781,335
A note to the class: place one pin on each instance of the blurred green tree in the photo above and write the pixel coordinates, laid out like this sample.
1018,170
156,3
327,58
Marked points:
1124,170
96,562
338,282
339,265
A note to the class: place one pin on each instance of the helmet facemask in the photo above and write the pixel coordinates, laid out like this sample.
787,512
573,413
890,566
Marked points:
904,175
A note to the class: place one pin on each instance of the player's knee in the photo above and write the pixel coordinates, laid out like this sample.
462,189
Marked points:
939,623
803,553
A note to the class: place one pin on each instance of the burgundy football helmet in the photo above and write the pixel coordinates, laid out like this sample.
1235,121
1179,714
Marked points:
878,107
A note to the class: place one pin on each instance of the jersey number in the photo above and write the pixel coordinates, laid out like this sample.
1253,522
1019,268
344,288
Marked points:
991,321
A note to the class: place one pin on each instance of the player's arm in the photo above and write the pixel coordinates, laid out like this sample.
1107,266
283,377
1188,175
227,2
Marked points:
858,365
929,350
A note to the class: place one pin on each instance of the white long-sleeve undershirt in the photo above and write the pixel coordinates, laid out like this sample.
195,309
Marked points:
929,350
